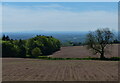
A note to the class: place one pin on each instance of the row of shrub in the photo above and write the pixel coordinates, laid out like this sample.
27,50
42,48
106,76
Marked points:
71,43
89,58
33,47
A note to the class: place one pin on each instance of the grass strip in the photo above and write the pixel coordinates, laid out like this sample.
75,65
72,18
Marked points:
89,58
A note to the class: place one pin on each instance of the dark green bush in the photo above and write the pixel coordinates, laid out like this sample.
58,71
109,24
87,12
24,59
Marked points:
36,52
9,50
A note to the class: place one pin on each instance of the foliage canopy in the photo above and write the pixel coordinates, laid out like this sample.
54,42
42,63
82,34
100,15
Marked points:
33,47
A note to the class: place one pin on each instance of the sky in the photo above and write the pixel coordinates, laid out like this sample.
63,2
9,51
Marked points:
59,16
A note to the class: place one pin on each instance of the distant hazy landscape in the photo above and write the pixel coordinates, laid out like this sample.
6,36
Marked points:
62,36
65,36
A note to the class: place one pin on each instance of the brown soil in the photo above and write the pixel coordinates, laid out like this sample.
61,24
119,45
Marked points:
18,69
15,69
83,52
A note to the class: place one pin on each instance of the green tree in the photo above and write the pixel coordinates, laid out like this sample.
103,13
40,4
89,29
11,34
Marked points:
9,50
47,44
22,52
30,45
36,52
37,46
5,38
98,40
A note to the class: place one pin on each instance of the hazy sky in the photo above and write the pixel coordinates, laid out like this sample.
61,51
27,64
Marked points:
59,16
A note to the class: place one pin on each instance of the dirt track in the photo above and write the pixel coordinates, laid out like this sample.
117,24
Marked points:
82,52
59,70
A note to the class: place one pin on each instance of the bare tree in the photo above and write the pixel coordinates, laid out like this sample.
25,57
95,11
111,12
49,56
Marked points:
98,40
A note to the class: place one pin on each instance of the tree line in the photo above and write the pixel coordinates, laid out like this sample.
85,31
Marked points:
33,47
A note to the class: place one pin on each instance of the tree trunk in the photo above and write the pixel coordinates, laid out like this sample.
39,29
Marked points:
102,56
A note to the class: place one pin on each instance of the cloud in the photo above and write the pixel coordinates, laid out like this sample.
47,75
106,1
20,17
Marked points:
43,6
43,18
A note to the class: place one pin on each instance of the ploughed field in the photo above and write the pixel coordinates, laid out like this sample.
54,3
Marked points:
83,52
18,69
